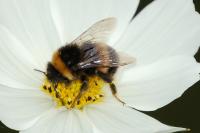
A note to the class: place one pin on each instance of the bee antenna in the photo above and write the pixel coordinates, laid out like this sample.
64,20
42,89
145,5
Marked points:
40,71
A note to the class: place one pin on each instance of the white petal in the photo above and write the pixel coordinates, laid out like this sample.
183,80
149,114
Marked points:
31,22
21,108
153,86
17,63
72,17
164,28
62,122
113,118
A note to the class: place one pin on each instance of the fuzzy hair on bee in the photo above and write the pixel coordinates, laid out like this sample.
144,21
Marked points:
88,55
68,62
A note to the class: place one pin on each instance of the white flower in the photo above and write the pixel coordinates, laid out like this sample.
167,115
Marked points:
163,38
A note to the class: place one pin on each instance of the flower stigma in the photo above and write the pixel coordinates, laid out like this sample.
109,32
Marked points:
64,94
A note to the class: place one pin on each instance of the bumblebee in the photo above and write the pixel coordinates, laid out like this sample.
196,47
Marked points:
88,55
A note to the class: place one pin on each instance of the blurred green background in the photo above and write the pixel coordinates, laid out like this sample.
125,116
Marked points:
183,112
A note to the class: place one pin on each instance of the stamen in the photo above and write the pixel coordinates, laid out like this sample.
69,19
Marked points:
64,94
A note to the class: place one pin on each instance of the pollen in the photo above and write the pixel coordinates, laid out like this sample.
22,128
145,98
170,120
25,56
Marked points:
64,94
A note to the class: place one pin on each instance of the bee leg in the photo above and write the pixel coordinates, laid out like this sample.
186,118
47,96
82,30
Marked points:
114,92
55,85
108,79
83,89
105,77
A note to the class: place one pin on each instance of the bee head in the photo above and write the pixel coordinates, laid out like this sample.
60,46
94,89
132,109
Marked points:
53,75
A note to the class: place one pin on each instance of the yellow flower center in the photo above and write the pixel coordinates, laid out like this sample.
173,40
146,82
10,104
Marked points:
65,94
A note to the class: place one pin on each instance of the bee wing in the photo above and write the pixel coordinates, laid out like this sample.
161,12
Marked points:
98,32
95,57
125,59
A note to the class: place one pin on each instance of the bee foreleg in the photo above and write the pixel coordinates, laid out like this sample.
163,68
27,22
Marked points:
83,89
114,92
55,85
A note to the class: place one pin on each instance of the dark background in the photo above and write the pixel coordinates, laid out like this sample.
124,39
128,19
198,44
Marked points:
183,112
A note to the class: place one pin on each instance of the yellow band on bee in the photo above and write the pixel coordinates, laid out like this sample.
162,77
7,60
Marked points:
61,67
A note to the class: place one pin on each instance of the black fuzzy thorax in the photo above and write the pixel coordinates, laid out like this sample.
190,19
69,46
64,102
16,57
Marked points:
70,55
